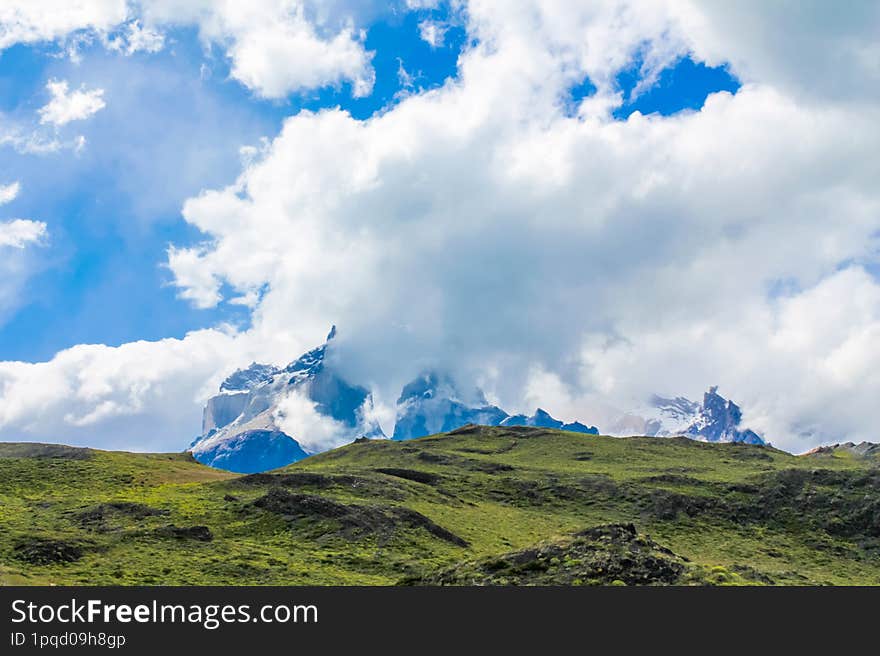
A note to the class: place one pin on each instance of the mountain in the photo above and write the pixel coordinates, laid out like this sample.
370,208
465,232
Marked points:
542,419
243,426
716,419
432,403
860,450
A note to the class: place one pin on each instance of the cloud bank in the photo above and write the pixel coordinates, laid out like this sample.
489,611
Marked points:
554,254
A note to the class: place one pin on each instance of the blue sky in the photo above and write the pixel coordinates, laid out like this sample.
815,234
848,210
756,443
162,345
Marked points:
173,125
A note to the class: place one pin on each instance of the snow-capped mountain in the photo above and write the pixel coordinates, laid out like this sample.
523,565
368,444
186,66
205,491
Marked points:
543,419
432,403
716,419
243,427
256,422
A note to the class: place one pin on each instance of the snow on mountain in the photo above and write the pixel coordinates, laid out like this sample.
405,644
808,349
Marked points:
266,417
543,419
716,419
432,403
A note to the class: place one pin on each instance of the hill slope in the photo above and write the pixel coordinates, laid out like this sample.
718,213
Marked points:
479,505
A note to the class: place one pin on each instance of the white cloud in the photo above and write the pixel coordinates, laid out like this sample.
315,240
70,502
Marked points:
33,21
275,47
66,106
553,257
9,193
20,232
479,225
17,263
433,32
136,38
141,395
298,415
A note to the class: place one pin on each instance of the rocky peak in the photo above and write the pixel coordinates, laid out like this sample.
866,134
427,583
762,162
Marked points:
432,403
246,379
715,420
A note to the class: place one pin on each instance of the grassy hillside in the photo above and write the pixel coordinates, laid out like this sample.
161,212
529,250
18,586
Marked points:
479,505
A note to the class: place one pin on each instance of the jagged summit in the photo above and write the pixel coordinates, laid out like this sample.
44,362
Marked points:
432,403
543,419
246,427
716,419
243,380
243,427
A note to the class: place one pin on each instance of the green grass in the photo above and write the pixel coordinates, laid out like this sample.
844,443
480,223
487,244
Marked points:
732,514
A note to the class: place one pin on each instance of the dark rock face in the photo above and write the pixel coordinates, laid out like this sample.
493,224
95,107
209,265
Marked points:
243,427
253,451
715,420
410,474
199,533
432,403
44,551
614,553
332,517
543,419
722,419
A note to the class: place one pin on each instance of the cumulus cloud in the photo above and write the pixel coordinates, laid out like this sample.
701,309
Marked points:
134,38
8,193
66,105
298,415
481,227
563,259
141,395
33,21
433,32
20,232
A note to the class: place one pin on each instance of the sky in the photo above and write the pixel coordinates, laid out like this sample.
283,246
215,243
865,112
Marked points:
574,204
